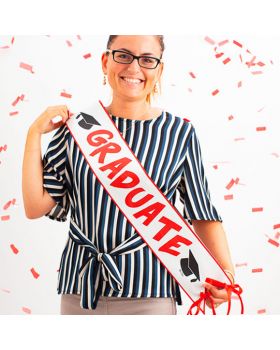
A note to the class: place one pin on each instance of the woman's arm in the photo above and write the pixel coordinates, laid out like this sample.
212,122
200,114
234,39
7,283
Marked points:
213,236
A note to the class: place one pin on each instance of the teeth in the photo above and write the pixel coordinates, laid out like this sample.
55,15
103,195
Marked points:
134,81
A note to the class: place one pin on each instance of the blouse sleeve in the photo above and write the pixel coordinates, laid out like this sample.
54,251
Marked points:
193,186
54,180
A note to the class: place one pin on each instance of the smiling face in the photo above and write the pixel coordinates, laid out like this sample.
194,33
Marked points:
130,81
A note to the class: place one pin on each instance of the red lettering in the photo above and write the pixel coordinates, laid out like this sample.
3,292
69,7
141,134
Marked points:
119,181
150,212
131,194
169,224
115,166
103,150
173,242
99,140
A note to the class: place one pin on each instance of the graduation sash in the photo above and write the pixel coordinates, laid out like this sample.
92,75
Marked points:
155,219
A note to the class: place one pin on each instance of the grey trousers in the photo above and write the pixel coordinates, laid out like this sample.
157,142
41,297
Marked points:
70,305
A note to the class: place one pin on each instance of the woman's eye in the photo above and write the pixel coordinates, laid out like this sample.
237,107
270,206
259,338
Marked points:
148,60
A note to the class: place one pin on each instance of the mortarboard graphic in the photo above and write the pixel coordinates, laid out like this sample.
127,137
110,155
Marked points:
190,267
87,121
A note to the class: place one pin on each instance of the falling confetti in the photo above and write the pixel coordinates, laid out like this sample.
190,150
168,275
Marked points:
26,310
228,196
14,249
26,66
257,270
34,273
254,210
3,148
88,55
273,242
64,94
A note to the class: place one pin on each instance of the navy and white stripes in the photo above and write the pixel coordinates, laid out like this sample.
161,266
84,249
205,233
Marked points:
169,150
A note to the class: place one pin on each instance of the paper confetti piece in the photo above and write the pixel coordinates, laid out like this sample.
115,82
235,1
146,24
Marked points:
261,128
257,270
215,166
239,139
215,92
223,42
6,290
254,210
228,196
227,60
64,94
5,217
88,55
14,249
19,98
4,148
68,43
230,117
230,184
79,37
9,203
209,40
273,242
192,75
239,84
26,310
13,113
277,235
261,311
275,154
276,226
34,273
237,43
187,120
26,66
257,72
241,264
218,55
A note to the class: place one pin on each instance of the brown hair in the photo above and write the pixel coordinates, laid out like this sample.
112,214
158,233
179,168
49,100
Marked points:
161,42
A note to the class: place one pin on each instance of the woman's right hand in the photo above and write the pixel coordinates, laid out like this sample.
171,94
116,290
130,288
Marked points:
44,124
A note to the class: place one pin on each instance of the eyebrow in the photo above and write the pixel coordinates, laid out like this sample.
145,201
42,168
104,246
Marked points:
146,53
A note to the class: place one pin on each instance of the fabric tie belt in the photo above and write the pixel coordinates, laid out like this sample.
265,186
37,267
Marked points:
100,265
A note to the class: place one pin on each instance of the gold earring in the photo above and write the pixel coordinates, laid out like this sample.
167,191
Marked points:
156,88
104,80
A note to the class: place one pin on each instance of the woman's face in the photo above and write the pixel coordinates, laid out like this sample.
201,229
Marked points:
116,72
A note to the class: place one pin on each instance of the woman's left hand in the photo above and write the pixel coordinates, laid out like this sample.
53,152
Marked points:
218,295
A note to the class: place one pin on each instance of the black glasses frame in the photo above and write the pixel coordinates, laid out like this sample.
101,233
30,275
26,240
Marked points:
159,60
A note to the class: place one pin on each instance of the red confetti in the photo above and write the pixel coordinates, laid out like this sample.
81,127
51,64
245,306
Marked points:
34,273
223,42
249,64
13,113
228,196
88,55
215,92
209,40
64,94
5,217
187,120
261,64
257,270
273,242
236,180
4,148
218,55
261,311
257,209
17,100
230,117
226,60
275,154
79,37
14,249
26,310
68,43
241,264
192,75
239,84
276,226
26,66
237,43
215,166
8,204
6,290
257,72
230,184
261,128
239,138
277,235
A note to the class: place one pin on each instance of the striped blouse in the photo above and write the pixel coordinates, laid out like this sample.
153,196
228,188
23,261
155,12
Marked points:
168,148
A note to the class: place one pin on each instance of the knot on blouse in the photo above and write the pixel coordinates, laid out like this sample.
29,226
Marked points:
99,266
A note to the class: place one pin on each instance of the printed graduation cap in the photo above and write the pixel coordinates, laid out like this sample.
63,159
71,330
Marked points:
87,120
190,267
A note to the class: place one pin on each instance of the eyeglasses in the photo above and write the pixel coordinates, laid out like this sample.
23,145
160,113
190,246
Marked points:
127,58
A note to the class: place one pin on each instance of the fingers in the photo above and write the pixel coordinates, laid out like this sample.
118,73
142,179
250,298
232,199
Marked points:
218,296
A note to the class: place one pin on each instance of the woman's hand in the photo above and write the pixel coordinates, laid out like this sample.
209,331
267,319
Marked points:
218,295
44,124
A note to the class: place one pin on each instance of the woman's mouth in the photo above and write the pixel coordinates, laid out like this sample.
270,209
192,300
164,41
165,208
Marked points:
132,82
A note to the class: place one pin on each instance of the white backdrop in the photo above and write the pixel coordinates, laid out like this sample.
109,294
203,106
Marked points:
227,86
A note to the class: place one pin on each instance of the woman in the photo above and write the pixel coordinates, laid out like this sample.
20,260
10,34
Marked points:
168,148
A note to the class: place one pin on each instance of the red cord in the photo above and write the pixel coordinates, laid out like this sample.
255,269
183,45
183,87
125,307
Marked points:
230,288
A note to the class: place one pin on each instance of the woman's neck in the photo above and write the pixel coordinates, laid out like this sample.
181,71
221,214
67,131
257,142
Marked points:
131,110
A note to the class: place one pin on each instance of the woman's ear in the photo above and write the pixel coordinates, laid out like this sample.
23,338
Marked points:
104,60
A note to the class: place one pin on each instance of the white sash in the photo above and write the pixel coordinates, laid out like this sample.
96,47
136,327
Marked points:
156,220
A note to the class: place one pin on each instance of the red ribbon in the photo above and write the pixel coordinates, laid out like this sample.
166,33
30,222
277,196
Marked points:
206,295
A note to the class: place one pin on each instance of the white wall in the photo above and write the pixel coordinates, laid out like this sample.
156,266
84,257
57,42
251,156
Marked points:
254,160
